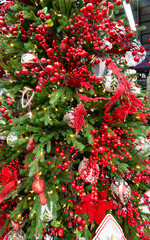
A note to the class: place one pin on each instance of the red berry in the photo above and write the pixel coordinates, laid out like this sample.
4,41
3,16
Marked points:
146,160
83,222
2,109
78,219
50,69
48,15
63,188
118,2
57,150
80,228
8,215
60,232
17,73
25,71
38,89
62,154
90,7
136,59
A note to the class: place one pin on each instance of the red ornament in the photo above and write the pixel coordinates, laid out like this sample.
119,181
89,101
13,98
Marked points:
38,186
30,145
63,188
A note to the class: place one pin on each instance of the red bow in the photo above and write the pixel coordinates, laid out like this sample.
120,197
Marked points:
96,209
9,180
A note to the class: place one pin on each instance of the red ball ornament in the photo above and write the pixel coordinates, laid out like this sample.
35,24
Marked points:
25,71
38,186
17,73
90,7
50,69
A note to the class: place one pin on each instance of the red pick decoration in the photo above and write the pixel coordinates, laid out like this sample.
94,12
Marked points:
95,209
9,180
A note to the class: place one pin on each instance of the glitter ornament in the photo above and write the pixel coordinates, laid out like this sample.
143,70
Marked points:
46,214
15,233
28,59
110,83
11,139
142,144
131,59
120,190
70,116
88,172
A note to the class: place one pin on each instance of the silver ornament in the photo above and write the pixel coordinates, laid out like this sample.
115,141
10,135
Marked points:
11,139
15,235
120,190
87,173
70,116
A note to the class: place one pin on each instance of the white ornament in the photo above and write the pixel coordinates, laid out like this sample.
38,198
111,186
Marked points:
70,116
87,173
130,58
11,139
2,90
110,84
109,229
106,43
98,69
27,59
46,214
135,89
144,208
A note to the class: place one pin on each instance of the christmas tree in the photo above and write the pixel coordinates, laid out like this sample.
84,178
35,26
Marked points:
74,140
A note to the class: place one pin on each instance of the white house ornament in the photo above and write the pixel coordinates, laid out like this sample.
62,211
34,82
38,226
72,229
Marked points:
120,190
28,59
70,116
12,138
88,173
46,214
109,229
